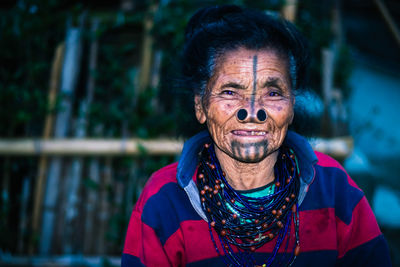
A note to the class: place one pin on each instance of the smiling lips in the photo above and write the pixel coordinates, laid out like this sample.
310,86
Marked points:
249,133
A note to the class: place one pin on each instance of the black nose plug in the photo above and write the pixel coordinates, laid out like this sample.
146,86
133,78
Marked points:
261,115
241,114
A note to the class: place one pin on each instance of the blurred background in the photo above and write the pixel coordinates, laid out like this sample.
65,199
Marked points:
89,108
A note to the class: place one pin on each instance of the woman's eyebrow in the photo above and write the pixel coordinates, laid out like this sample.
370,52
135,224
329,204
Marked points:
233,85
273,82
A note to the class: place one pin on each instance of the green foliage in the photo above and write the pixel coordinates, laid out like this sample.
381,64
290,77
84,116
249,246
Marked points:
27,41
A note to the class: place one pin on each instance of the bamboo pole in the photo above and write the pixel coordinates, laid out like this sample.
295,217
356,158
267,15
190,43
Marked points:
117,147
104,210
89,147
80,132
23,223
91,206
69,79
289,10
389,20
48,127
147,49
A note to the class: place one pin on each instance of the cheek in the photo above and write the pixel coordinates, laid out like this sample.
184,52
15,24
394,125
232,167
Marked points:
281,114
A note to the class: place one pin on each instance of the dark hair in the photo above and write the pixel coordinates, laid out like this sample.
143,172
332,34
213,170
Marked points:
212,31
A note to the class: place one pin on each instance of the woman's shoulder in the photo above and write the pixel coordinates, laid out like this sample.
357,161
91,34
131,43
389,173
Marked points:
331,165
158,180
325,160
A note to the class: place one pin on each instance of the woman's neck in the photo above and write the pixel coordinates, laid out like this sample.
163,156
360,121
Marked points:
246,176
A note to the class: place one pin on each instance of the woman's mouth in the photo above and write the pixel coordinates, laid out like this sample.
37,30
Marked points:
249,133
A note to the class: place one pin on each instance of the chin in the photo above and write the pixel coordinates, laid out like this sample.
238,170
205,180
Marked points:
250,159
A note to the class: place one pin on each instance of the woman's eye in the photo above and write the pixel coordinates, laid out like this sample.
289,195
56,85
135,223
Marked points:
274,94
228,92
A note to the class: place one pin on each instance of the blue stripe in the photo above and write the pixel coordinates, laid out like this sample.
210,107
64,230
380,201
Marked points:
324,258
128,260
331,189
165,210
373,253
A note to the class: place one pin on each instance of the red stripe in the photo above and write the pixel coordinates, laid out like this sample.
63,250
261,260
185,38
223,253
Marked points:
362,228
133,235
141,241
326,161
174,248
198,244
317,232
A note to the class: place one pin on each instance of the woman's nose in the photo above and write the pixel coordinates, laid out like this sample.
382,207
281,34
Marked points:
257,116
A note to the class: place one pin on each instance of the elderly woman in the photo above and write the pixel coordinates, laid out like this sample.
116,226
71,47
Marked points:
248,192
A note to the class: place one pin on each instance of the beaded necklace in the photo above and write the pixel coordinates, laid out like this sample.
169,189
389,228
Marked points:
245,222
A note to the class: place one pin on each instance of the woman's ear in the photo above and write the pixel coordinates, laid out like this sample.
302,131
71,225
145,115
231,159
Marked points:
198,107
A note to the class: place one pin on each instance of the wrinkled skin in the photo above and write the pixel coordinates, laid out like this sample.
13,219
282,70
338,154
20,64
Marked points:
250,80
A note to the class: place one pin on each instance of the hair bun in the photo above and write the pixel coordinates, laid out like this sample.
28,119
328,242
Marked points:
206,16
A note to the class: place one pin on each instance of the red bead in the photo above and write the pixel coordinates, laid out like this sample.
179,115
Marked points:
261,208
234,216
210,196
265,225
292,195
212,224
294,208
223,232
215,192
202,192
219,203
287,180
280,224
256,221
271,235
208,210
203,199
248,233
217,181
279,212
206,145
284,207
223,173
253,248
297,250
206,187
273,212
201,176
287,199
277,184
232,201
223,221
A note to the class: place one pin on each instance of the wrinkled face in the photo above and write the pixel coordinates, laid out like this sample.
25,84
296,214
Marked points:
249,104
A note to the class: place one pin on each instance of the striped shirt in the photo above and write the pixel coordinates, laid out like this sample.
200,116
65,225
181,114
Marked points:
337,226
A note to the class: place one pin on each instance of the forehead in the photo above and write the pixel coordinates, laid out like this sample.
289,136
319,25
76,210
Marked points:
241,63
